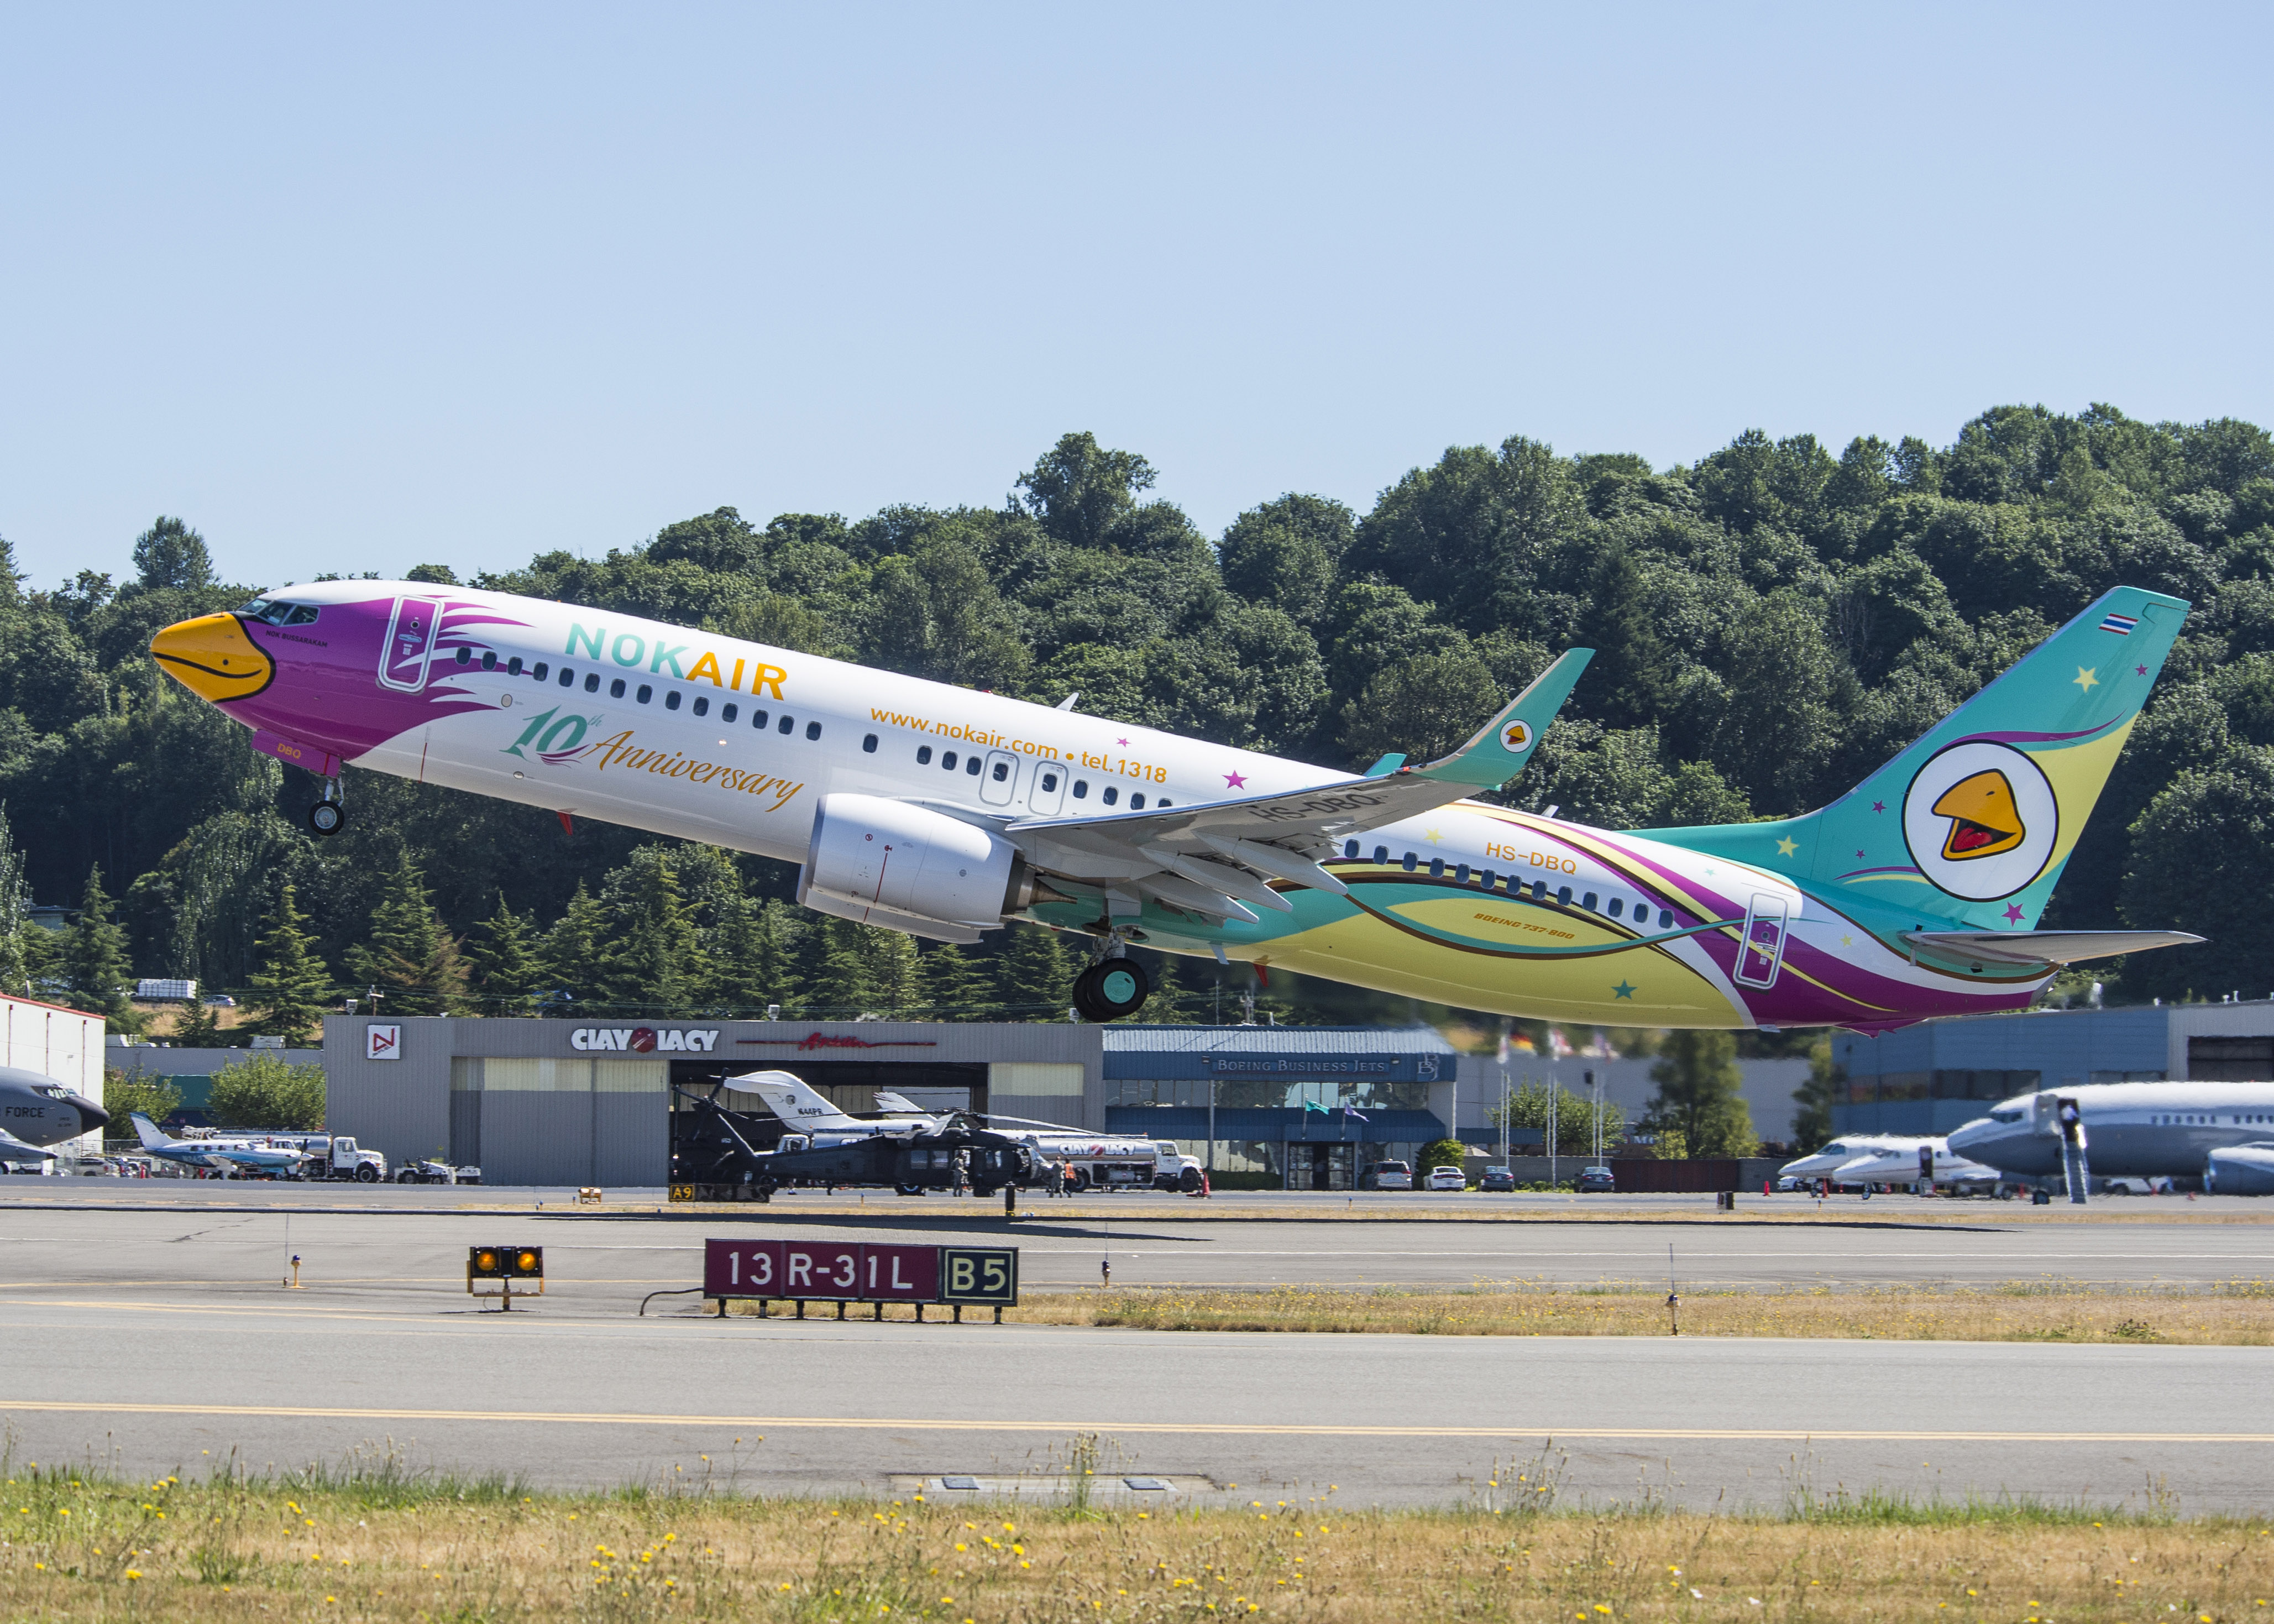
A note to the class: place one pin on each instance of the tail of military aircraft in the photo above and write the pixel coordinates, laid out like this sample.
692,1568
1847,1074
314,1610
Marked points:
1975,821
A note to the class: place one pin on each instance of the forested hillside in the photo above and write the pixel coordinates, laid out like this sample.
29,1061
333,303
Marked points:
1772,621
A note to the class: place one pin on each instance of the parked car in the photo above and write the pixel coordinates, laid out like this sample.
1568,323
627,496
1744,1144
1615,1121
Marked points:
1448,1178
1386,1175
1496,1178
1793,1182
1595,1181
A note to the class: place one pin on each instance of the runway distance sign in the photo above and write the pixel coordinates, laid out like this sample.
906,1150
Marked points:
834,1271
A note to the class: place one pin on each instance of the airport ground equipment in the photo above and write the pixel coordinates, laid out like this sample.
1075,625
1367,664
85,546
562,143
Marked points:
718,1155
504,1265
853,1272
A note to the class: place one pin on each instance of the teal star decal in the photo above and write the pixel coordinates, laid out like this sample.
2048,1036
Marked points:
1623,991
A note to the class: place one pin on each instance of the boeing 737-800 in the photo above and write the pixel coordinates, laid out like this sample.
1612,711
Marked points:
944,812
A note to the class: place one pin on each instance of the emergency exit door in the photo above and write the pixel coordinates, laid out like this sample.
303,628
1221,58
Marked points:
1761,952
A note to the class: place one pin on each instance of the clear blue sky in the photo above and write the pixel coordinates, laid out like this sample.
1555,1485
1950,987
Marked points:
360,287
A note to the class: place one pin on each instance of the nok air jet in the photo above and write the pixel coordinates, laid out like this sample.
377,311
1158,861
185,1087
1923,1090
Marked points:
944,813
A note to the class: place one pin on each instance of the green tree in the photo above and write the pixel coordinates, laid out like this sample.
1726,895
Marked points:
1426,707
95,974
1173,1003
123,1095
1532,1103
1699,1095
267,1091
289,993
659,967
1080,491
2200,854
407,955
1811,1124
574,957
955,988
15,912
170,554
198,1026
503,963
1033,974
895,973
1439,1153
840,984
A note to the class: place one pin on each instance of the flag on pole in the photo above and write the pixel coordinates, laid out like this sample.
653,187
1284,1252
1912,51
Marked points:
1503,1048
1556,1045
1361,1115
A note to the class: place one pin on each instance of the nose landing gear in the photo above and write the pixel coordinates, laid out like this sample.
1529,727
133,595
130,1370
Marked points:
328,815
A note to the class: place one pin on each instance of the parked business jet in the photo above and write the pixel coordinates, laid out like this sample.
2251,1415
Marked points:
803,1110
233,1157
2140,1129
943,812
37,1111
1851,1147
1930,1162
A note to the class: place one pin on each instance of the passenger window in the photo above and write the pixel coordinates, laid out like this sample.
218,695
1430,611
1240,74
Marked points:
1412,862
489,659
786,727
513,667
1617,903
539,671
1588,902
1665,919
1487,879
1136,802
567,677
868,744
1540,890
616,688
947,760
701,705
1050,782
1461,875
1437,868
645,693
1350,848
1113,793
1563,895
1164,802
726,711
1380,853
813,730
465,654
758,719
671,700
1081,789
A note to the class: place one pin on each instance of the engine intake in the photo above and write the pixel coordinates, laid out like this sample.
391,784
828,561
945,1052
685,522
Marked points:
885,862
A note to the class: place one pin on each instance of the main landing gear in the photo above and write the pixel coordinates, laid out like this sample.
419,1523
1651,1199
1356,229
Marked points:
328,815
1113,987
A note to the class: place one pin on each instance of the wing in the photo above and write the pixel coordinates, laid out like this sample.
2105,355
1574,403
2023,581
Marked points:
2046,947
1216,858
14,1149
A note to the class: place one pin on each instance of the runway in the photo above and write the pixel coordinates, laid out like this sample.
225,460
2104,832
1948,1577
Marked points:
157,1333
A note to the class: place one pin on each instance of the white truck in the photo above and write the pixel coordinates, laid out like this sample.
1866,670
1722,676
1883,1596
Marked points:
332,1155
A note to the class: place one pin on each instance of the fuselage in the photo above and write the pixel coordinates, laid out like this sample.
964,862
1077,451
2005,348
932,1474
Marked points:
39,1112
2136,1129
597,714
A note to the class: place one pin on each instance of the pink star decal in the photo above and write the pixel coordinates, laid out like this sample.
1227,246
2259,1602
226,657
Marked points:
2139,671
1233,780
1878,806
1859,854
1124,743
2012,913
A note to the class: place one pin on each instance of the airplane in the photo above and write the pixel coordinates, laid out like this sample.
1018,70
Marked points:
944,813
232,1157
1848,1147
803,1110
2132,1129
1928,1163
37,1111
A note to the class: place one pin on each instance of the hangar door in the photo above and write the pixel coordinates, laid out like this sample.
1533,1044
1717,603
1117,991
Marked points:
561,1122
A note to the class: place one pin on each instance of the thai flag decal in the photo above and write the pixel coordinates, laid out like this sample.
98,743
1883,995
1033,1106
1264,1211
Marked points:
2121,624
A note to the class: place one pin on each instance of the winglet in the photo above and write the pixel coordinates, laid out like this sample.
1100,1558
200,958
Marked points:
1387,765
1503,745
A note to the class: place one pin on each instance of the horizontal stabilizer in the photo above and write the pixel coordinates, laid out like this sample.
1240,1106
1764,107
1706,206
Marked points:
14,1149
2052,947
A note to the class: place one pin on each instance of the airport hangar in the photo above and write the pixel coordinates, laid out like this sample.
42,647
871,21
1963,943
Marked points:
1938,1075
570,1101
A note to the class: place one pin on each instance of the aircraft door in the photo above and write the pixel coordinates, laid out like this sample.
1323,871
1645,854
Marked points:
1047,794
998,779
1761,953
410,643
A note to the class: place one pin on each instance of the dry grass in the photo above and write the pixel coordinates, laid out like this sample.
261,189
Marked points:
2237,1314
375,1543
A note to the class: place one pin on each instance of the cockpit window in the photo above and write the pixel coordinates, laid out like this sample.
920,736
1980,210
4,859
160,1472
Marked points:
278,613
2014,1115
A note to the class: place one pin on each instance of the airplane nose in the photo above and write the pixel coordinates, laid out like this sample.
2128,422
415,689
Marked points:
213,658
91,1115
1966,1140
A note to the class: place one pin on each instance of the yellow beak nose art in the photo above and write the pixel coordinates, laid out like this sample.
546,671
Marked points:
212,657
1984,820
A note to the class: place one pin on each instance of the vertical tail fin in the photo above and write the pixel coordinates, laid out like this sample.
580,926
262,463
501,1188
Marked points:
789,1097
147,1133
1976,820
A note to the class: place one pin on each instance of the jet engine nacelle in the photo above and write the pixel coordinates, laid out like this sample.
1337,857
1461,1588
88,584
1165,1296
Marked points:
885,862
2240,1170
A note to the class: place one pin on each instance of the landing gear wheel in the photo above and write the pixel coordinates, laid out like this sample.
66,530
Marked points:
326,817
1111,989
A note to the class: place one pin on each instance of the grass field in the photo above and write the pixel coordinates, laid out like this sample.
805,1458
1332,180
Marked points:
2238,1313
373,1542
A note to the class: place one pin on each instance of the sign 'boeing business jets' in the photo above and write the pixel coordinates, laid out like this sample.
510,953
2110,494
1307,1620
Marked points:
943,812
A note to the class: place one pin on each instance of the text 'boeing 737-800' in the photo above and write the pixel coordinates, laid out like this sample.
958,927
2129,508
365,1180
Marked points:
944,813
